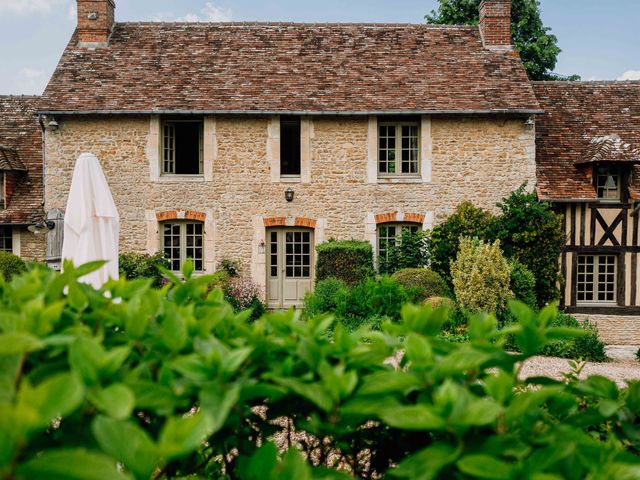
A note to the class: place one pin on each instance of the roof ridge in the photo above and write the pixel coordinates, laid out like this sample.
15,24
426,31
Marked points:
300,24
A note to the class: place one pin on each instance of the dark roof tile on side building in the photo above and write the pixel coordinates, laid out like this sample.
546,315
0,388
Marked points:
21,140
583,123
288,67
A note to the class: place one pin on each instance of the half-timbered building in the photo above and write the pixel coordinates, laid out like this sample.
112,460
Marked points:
588,157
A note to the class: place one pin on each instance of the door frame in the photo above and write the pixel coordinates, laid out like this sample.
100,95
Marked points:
282,230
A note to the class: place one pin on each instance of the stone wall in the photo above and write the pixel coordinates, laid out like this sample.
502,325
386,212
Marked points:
475,158
615,329
31,246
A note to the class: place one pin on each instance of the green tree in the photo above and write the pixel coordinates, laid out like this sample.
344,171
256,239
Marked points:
537,46
532,233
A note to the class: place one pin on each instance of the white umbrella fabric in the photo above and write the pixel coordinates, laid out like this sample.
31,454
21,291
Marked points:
91,221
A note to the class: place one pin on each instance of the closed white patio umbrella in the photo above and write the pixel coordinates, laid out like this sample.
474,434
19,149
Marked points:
91,221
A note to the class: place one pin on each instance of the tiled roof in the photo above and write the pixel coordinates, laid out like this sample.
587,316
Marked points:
584,122
10,160
21,138
288,67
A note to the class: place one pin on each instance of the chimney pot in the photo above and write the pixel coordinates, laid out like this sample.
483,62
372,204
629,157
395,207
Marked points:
495,24
95,22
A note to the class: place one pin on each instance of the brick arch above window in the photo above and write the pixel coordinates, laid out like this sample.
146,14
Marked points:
180,215
391,217
289,222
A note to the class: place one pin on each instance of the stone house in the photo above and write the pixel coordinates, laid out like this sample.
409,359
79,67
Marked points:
257,141
21,191
588,152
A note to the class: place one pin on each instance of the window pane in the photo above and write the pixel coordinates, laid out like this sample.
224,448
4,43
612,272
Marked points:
6,239
290,146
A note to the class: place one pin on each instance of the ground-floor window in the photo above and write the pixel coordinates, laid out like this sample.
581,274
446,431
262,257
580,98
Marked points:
182,240
389,235
6,239
596,280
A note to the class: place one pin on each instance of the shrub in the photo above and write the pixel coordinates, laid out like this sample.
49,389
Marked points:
141,265
423,283
523,284
532,233
588,347
444,241
171,383
410,251
350,261
11,265
323,299
242,293
481,276
230,266
383,297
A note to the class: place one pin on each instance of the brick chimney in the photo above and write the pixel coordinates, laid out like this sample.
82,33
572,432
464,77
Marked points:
495,23
95,22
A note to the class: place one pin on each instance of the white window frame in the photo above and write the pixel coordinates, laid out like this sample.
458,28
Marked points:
614,172
594,281
164,148
398,149
183,243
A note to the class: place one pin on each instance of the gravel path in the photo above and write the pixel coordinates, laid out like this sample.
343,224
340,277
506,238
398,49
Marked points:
552,367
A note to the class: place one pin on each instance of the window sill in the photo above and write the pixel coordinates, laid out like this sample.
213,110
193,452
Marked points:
181,178
398,179
290,179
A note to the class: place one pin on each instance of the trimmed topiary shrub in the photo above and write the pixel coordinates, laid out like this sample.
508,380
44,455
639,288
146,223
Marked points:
481,276
423,283
348,260
141,265
324,297
11,265
523,283
444,242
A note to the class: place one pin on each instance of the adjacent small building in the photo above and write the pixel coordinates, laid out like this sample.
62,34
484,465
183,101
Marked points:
21,173
588,166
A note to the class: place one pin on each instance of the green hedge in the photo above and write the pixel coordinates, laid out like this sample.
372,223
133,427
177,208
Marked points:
349,260
10,265
131,382
423,283
141,265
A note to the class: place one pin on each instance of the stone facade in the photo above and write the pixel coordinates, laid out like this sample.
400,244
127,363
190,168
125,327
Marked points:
28,246
476,158
615,329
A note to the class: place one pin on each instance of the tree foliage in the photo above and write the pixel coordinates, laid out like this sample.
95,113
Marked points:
537,46
131,382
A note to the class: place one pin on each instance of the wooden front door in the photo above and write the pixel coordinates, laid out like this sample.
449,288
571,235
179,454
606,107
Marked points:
289,266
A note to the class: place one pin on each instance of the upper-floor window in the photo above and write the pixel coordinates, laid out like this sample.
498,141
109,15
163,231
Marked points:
6,239
596,281
608,183
182,143
183,240
398,148
3,202
290,145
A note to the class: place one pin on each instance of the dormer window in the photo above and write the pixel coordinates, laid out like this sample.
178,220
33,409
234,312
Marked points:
608,183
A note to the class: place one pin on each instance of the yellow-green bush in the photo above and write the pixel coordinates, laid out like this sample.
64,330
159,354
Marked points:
481,276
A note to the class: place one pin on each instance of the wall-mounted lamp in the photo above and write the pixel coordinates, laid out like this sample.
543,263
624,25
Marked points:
288,194
530,123
41,226
53,125
261,247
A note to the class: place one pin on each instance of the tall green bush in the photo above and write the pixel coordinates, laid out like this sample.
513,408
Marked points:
523,283
324,297
422,283
349,260
481,276
444,243
140,265
130,382
531,232
11,265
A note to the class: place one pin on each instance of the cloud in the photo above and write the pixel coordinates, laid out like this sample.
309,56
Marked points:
28,7
630,75
209,13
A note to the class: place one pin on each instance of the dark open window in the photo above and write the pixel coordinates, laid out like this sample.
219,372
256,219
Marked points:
182,147
289,145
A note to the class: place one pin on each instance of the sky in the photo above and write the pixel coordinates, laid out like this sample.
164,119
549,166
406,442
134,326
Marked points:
599,38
